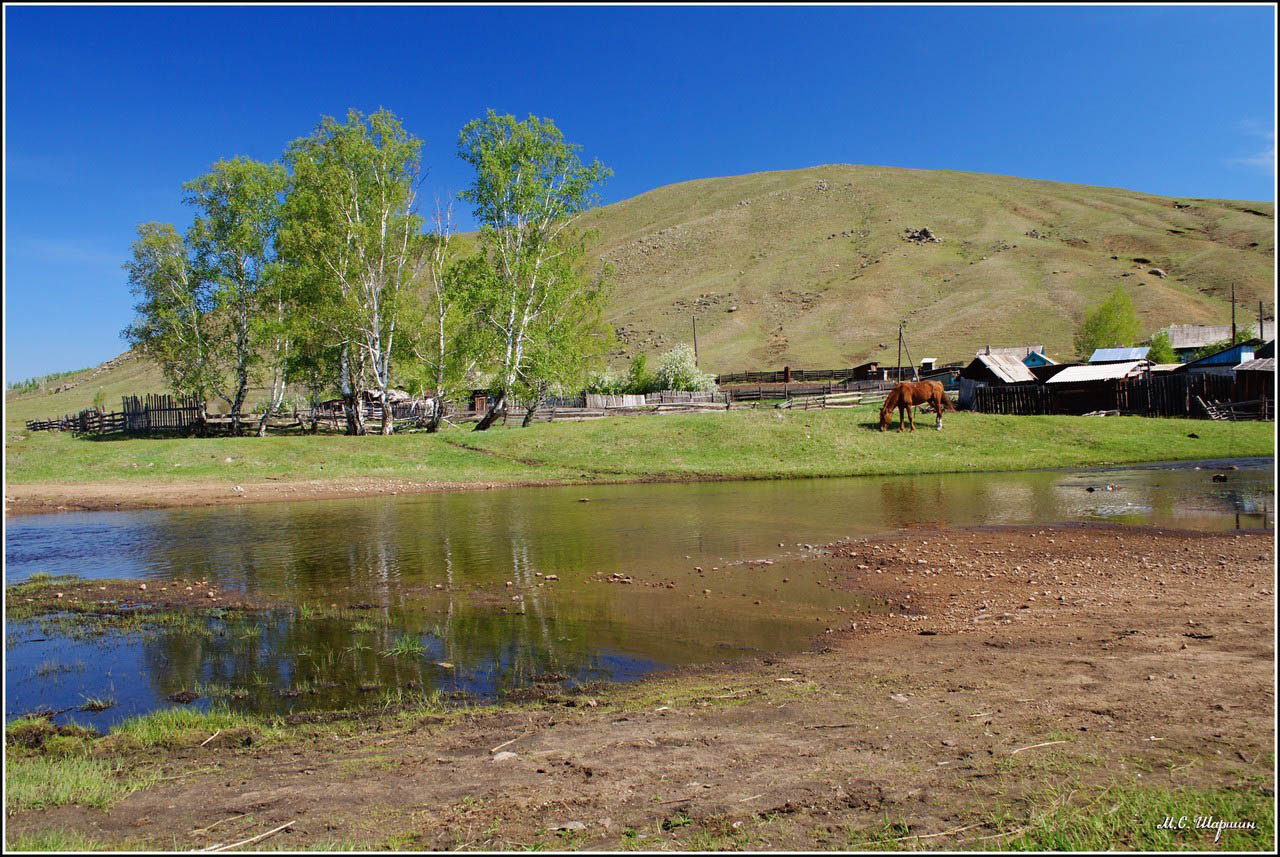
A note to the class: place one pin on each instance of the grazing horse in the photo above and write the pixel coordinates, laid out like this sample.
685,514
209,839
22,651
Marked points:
907,395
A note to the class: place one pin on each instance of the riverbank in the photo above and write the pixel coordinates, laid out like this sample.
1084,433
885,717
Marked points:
1061,688
56,472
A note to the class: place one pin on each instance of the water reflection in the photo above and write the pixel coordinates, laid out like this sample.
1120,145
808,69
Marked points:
506,587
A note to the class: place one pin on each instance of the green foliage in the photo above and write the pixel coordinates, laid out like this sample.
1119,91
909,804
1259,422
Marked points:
1162,349
678,370
639,378
1113,323
606,382
544,314
173,324
354,243
40,382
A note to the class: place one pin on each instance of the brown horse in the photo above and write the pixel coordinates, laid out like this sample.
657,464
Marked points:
907,395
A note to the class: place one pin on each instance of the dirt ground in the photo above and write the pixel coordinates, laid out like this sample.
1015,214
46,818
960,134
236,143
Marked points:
40,497
1017,665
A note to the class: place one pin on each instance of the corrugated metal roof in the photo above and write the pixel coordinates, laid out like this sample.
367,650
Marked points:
1267,364
1095,372
1008,369
1230,356
1183,336
1016,351
1112,355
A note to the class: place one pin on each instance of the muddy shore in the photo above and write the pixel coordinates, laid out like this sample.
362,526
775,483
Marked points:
1020,671
42,497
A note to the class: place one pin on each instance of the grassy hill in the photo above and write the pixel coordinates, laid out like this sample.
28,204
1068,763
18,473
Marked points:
808,268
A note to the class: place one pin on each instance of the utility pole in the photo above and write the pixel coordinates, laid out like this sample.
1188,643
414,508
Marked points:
902,344
897,375
1233,313
695,340
1262,334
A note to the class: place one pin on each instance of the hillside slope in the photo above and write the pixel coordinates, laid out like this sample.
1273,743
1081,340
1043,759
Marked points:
808,267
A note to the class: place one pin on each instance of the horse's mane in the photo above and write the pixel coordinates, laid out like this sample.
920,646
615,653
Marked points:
891,400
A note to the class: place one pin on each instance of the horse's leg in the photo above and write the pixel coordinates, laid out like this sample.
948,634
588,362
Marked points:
902,417
911,415
937,406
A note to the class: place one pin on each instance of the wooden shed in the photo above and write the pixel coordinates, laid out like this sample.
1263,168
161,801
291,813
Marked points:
1256,380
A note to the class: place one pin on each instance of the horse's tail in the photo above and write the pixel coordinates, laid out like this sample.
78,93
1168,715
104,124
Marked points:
947,404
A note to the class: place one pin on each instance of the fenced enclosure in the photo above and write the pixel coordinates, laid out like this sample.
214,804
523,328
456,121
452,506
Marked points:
1169,395
154,413
763,391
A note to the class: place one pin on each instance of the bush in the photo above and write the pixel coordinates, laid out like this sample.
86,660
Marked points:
606,383
678,370
1113,323
1162,349
639,379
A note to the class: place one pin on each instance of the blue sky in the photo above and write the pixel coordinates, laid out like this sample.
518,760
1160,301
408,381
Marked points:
109,109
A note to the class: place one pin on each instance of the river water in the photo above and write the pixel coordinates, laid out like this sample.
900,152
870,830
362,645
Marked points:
450,592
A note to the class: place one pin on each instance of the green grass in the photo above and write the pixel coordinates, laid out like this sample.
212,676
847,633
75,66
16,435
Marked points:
1128,819
180,727
60,457
1117,818
405,646
43,781
61,841
741,444
764,444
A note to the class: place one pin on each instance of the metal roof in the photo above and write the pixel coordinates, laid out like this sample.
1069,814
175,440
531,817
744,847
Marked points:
1229,356
1183,336
1113,355
1008,369
1267,364
1016,351
1096,372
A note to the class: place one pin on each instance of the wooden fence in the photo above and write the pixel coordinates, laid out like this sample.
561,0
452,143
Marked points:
1168,395
153,413
1023,399
787,391
160,413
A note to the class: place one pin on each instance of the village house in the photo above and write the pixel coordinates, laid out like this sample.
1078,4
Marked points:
1030,355
1187,339
1118,355
1256,379
992,370
1223,362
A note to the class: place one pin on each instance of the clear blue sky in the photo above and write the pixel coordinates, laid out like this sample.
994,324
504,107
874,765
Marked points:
109,109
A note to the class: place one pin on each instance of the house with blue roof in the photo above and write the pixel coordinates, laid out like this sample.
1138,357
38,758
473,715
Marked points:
1119,355
1224,362
1037,358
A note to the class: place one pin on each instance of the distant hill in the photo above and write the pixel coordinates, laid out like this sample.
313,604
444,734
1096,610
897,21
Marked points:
809,268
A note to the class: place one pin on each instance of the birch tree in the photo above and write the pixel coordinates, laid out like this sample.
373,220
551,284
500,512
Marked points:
173,311
232,242
351,226
567,338
529,189
448,345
